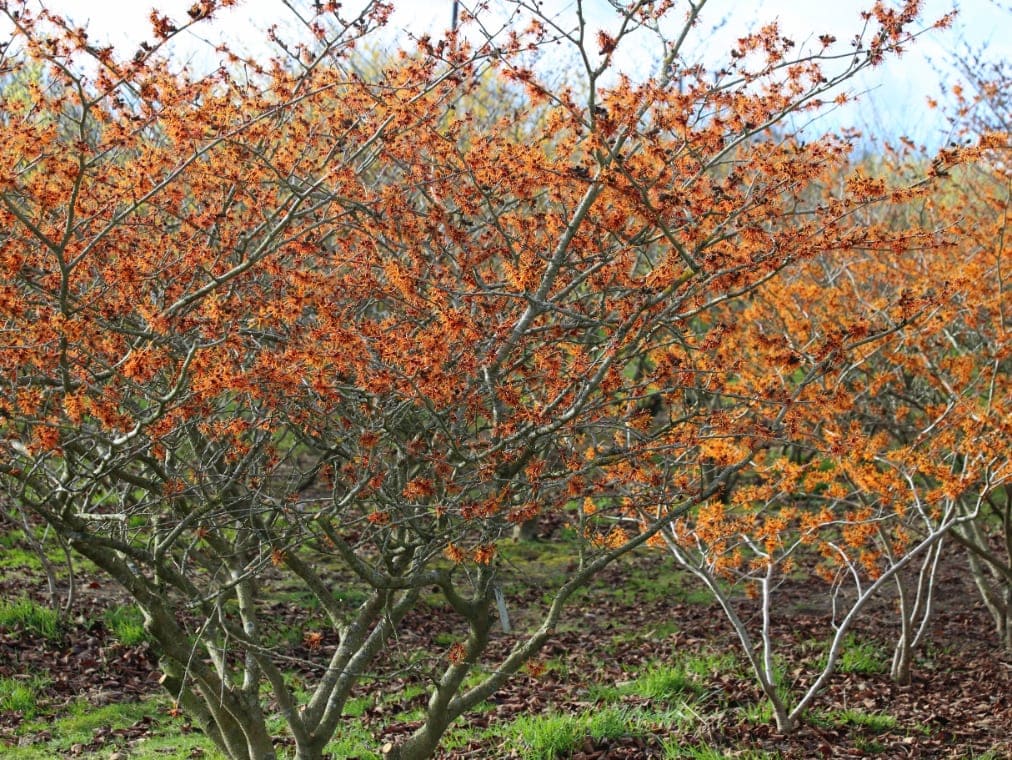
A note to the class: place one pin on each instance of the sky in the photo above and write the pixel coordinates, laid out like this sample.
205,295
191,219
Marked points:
895,93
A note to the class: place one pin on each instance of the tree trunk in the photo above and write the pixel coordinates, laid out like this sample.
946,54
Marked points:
420,745
304,752
900,671
525,531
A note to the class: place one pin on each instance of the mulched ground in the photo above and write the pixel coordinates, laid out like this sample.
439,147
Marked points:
959,705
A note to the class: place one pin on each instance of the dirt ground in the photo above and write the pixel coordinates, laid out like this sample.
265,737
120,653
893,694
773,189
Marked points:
958,706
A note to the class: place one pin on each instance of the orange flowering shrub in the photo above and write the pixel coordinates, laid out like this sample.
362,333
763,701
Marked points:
877,411
306,319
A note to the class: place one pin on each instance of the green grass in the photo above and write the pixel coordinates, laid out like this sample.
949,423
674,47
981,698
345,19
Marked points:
350,597
874,721
707,663
445,638
659,630
345,593
16,558
80,722
673,691
680,679
126,623
613,723
31,617
356,706
861,658
664,682
22,695
869,746
675,751
644,584
15,538
353,741
758,713
19,555
545,737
